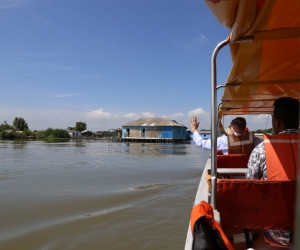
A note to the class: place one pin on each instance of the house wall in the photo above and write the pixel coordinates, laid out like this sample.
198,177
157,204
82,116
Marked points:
166,132
74,133
152,132
179,133
134,131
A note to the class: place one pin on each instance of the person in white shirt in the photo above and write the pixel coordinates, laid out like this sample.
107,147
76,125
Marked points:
232,140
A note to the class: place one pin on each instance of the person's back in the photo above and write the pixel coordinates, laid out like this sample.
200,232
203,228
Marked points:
235,142
242,144
282,155
276,158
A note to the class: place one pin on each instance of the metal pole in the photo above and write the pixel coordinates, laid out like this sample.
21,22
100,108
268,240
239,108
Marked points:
297,210
214,121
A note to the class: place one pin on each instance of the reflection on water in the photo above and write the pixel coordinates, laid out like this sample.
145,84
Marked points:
19,144
86,194
155,149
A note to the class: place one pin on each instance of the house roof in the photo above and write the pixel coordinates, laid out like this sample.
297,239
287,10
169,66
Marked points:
153,122
86,131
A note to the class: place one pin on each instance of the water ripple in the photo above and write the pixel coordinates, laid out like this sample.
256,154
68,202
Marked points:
10,174
107,211
152,186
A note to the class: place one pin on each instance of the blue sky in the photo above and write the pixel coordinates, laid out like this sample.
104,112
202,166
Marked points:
108,62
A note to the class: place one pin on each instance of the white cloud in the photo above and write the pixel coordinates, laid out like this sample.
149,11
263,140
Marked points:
131,116
67,95
197,112
96,120
194,42
177,115
201,38
100,114
148,114
260,118
203,117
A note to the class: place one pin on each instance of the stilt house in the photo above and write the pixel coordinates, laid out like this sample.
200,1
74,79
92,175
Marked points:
153,129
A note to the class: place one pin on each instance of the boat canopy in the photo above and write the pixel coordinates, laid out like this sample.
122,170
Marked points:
265,50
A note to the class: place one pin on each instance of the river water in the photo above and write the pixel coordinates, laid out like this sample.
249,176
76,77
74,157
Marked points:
97,195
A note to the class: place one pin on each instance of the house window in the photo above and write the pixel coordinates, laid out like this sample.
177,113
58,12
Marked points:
143,133
127,134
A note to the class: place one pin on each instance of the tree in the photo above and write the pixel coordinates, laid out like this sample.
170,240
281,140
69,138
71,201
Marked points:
80,126
51,133
5,126
20,124
60,133
70,128
269,130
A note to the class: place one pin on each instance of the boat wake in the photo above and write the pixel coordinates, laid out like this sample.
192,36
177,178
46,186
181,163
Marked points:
152,186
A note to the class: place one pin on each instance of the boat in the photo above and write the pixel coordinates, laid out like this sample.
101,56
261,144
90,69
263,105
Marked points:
264,42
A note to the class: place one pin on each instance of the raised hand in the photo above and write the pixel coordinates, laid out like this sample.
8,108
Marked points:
194,123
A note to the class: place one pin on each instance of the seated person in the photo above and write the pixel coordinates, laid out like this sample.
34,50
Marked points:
263,165
234,142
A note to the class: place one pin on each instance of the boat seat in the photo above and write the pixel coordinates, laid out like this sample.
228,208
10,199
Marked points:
232,161
256,204
219,152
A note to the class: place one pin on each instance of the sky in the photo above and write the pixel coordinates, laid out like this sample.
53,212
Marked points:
109,62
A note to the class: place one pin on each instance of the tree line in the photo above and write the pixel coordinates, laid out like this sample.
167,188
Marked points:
20,129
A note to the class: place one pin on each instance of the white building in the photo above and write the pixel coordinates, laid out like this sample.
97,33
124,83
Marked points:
74,133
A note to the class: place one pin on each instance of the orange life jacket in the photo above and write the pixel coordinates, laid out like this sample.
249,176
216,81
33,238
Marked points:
204,211
282,156
242,144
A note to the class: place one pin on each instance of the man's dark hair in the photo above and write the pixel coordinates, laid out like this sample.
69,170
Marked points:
240,122
287,110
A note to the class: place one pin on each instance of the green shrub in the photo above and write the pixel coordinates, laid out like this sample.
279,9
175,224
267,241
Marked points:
19,135
27,132
60,133
48,132
51,133
7,135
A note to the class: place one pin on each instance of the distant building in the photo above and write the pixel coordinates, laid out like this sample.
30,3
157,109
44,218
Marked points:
188,134
87,133
153,129
74,133
205,134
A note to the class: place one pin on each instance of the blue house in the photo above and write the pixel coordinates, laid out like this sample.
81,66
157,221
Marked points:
153,129
205,134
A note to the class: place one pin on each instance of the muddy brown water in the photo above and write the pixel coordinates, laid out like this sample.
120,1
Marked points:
97,195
